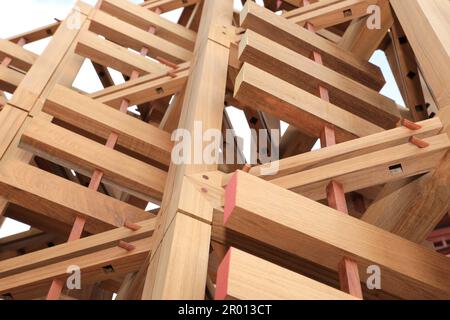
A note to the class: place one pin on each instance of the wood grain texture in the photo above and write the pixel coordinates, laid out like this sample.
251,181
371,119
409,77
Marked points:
263,91
304,42
242,276
59,199
99,119
304,73
74,151
295,224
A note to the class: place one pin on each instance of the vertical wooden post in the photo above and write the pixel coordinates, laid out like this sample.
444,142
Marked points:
179,261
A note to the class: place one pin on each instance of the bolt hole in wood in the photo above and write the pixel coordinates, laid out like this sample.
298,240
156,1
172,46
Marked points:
108,269
159,90
396,169
348,13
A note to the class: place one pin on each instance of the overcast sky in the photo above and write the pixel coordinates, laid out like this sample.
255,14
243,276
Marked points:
18,16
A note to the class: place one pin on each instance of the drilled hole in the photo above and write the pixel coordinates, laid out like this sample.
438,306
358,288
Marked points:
108,269
159,90
348,13
396,169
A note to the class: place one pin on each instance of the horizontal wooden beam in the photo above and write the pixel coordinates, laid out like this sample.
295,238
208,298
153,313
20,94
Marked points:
351,149
292,223
167,5
135,38
59,199
10,79
37,34
74,151
147,88
99,119
94,267
304,42
76,248
144,19
109,54
309,75
260,90
327,13
368,170
21,58
242,276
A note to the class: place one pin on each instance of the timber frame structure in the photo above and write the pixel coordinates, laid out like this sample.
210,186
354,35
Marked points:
80,168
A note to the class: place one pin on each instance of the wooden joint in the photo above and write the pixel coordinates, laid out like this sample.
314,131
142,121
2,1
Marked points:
168,63
132,226
409,124
419,142
125,245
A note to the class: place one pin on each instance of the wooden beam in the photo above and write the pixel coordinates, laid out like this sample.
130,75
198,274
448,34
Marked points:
10,79
144,19
71,150
242,276
95,267
362,41
129,36
327,13
178,268
47,69
304,42
69,250
22,58
261,90
112,55
303,72
11,119
58,198
351,149
38,33
167,5
101,120
368,170
144,89
271,215
425,24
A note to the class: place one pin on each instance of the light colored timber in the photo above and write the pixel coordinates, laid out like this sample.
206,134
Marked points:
426,25
260,90
292,223
49,67
204,101
10,79
242,276
362,41
150,88
112,55
368,170
73,249
144,19
351,149
168,5
326,13
129,36
59,199
37,34
309,75
21,58
304,42
11,120
65,147
99,119
29,283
